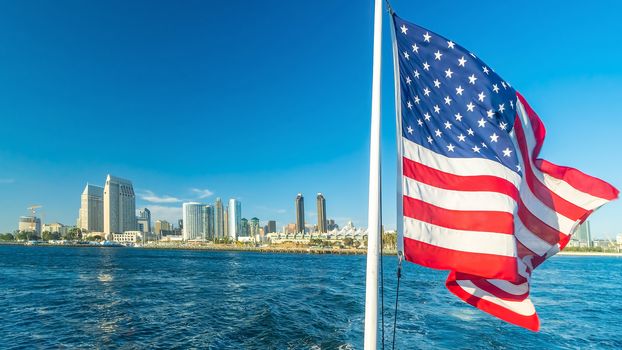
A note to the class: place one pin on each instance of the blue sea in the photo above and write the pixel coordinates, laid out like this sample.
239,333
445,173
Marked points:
124,298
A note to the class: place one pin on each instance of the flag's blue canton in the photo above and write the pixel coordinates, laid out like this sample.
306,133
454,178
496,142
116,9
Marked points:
452,102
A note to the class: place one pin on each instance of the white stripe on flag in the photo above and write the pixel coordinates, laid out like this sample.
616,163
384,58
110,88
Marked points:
524,308
458,200
544,213
459,240
509,287
560,187
530,240
458,166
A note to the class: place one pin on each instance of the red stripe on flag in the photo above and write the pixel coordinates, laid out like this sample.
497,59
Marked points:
530,322
575,178
498,292
537,226
441,179
482,265
484,221
543,193
579,180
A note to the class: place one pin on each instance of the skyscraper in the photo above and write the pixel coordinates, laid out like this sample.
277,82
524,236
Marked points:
226,222
143,220
271,226
192,214
208,222
253,227
234,216
119,205
219,220
91,215
583,234
244,228
300,213
321,213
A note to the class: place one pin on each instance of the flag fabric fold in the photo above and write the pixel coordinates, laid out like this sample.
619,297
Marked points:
476,199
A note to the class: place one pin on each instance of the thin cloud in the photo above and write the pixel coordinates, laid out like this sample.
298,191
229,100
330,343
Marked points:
6,181
202,193
271,210
151,197
161,212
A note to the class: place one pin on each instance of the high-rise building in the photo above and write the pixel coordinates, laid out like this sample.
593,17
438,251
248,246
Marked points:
332,225
583,234
219,219
226,225
271,226
192,214
163,228
208,222
119,205
300,213
321,213
253,227
244,228
29,224
143,220
91,215
234,215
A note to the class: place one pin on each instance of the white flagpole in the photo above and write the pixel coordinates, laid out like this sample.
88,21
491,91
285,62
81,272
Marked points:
374,212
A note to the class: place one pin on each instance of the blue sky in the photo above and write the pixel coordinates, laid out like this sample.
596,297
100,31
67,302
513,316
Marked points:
259,100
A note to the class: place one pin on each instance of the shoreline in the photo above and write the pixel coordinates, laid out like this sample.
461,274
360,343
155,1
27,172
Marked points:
219,247
268,249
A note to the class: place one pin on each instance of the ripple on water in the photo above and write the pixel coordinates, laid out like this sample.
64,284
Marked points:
131,298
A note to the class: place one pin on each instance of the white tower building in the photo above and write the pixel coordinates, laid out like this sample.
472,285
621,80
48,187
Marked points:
234,217
119,206
192,214
91,216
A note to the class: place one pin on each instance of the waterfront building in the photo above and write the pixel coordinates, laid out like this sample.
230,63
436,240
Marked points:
143,220
219,220
619,239
244,228
208,222
127,237
55,227
253,227
91,214
331,225
29,224
321,214
119,205
300,213
234,215
163,228
271,226
192,214
583,234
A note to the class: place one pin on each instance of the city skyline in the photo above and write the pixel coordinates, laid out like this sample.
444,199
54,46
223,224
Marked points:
173,80
107,210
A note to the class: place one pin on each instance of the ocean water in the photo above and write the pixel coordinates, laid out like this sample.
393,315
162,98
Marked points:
62,298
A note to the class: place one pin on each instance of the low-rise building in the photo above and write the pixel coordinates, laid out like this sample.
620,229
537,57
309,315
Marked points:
56,227
127,237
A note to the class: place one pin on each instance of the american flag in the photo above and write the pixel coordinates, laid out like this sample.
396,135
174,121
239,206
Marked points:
476,200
